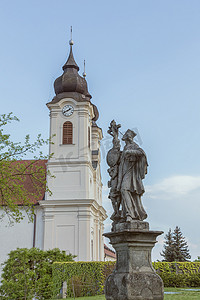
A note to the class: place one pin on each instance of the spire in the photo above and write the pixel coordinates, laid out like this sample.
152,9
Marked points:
71,61
70,81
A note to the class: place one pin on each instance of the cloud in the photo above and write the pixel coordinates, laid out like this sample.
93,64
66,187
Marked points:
173,187
173,201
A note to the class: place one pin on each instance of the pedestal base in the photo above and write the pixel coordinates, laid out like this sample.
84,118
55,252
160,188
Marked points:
134,277
136,225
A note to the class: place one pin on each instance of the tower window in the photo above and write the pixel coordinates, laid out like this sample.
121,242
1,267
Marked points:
67,133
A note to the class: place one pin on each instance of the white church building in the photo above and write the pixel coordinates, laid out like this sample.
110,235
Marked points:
72,217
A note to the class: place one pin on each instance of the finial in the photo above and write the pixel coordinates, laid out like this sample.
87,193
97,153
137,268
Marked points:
84,74
71,42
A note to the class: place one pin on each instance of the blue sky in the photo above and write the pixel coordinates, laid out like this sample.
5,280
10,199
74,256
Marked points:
143,67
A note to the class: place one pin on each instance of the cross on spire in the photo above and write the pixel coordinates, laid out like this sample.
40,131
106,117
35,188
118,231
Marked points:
84,74
71,42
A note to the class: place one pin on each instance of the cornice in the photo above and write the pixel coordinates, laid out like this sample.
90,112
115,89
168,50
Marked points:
84,203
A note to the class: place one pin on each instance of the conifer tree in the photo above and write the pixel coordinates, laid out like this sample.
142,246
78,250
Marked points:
175,247
168,252
180,246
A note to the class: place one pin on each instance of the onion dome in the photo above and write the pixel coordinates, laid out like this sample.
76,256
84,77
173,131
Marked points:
70,80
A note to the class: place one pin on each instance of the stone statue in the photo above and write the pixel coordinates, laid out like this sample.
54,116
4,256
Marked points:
134,277
132,169
113,159
127,169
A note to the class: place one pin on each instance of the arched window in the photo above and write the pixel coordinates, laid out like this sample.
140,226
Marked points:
67,133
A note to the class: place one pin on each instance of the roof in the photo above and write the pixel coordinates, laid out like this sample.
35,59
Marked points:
109,252
32,185
70,81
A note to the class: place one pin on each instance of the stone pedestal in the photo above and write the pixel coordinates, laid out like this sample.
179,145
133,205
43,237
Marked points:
134,277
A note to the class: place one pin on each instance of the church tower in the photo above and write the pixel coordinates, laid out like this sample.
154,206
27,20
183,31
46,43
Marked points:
73,213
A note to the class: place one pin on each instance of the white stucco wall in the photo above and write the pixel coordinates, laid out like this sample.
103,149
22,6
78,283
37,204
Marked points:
19,235
73,215
39,235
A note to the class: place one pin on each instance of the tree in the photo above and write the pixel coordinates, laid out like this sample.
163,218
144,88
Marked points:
175,247
27,273
180,246
168,252
198,259
16,174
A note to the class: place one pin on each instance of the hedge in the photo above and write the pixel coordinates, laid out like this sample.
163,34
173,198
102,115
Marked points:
83,278
179,274
88,278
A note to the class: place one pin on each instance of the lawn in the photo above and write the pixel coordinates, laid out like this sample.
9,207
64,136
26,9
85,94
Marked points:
184,294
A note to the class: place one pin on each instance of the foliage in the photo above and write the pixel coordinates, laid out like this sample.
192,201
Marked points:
35,273
85,278
198,259
88,278
28,273
175,247
180,246
168,252
179,274
14,174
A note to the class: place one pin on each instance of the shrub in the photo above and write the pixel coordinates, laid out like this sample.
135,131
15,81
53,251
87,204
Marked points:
83,278
88,278
28,273
179,274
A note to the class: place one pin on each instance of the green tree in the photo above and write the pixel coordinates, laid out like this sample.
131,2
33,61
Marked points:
175,247
198,259
27,273
168,252
180,246
14,173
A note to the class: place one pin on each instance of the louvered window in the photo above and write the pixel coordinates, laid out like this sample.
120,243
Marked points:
67,133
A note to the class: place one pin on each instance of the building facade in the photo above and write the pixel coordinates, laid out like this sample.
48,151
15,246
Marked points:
71,218
73,214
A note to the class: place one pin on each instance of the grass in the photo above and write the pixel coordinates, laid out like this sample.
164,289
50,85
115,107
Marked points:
183,295
101,297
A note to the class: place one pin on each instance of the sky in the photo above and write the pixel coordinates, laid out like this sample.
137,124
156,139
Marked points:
143,66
